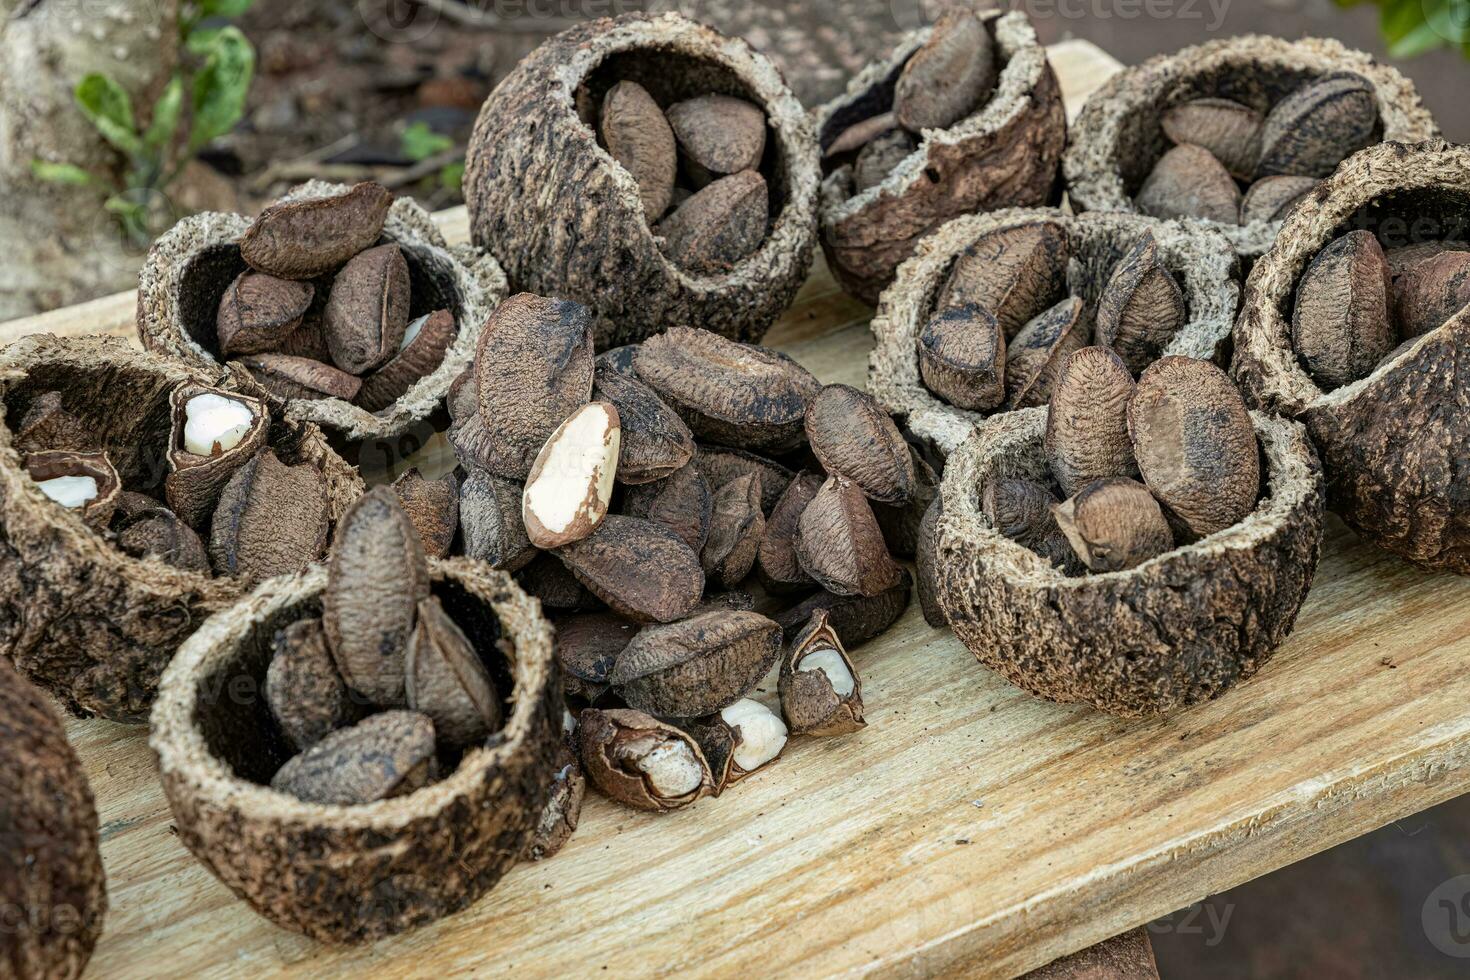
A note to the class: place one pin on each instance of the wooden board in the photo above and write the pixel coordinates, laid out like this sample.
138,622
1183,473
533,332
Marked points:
969,830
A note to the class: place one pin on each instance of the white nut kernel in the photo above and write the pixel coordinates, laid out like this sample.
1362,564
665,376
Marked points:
70,491
214,424
830,663
762,733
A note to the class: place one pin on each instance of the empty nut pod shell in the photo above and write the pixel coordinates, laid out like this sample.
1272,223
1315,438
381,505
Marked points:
1392,442
82,618
1180,628
535,169
51,878
1101,255
1003,153
1121,132
352,874
195,264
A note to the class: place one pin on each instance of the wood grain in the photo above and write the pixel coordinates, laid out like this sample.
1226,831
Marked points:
968,830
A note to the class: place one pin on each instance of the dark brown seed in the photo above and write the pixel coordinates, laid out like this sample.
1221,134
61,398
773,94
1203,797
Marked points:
734,394
1022,511
420,354
714,230
1188,182
1035,358
271,520
1015,273
587,647
1087,422
1340,324
635,132
305,239
821,693
47,424
779,569
1142,306
367,312
551,583
302,687
641,762
839,543
852,436
860,134
1271,198
563,808
682,503
948,78
1405,258
1316,127
195,479
720,465
259,311
1114,525
290,378
732,600
962,357
619,359
856,619
490,521
383,756
735,531
926,566
155,532
642,570
1229,130
63,476
1195,444
533,368
433,507
878,159
463,398
445,679
1435,290
310,339
900,522
375,581
718,135
697,666
655,441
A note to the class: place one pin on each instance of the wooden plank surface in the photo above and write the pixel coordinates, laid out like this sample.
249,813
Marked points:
969,830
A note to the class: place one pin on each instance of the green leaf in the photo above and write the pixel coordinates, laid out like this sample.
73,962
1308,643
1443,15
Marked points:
1417,41
419,142
451,178
60,173
223,8
1398,18
220,87
107,106
166,113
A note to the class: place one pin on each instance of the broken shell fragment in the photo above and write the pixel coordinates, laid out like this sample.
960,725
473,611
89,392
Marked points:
289,377
563,806
303,690
384,755
1114,525
214,433
738,740
84,482
421,351
840,544
696,666
571,483
820,690
852,436
444,679
1087,423
641,569
641,762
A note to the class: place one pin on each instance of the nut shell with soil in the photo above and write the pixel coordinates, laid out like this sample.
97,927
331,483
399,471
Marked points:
1177,629
1003,153
190,268
1392,442
1121,134
51,878
565,219
78,616
353,874
1200,261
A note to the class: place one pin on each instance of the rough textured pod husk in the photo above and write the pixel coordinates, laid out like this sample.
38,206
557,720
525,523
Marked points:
1004,154
1118,136
50,861
1202,262
78,617
566,220
1178,629
1393,443
356,874
189,269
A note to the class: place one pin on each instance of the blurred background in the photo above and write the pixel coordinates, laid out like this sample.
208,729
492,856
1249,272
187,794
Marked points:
118,117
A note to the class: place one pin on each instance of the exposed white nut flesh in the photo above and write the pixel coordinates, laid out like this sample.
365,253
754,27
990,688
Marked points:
411,334
70,491
762,733
830,663
669,764
571,482
214,424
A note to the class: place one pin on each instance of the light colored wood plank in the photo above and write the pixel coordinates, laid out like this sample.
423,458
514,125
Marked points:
969,830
